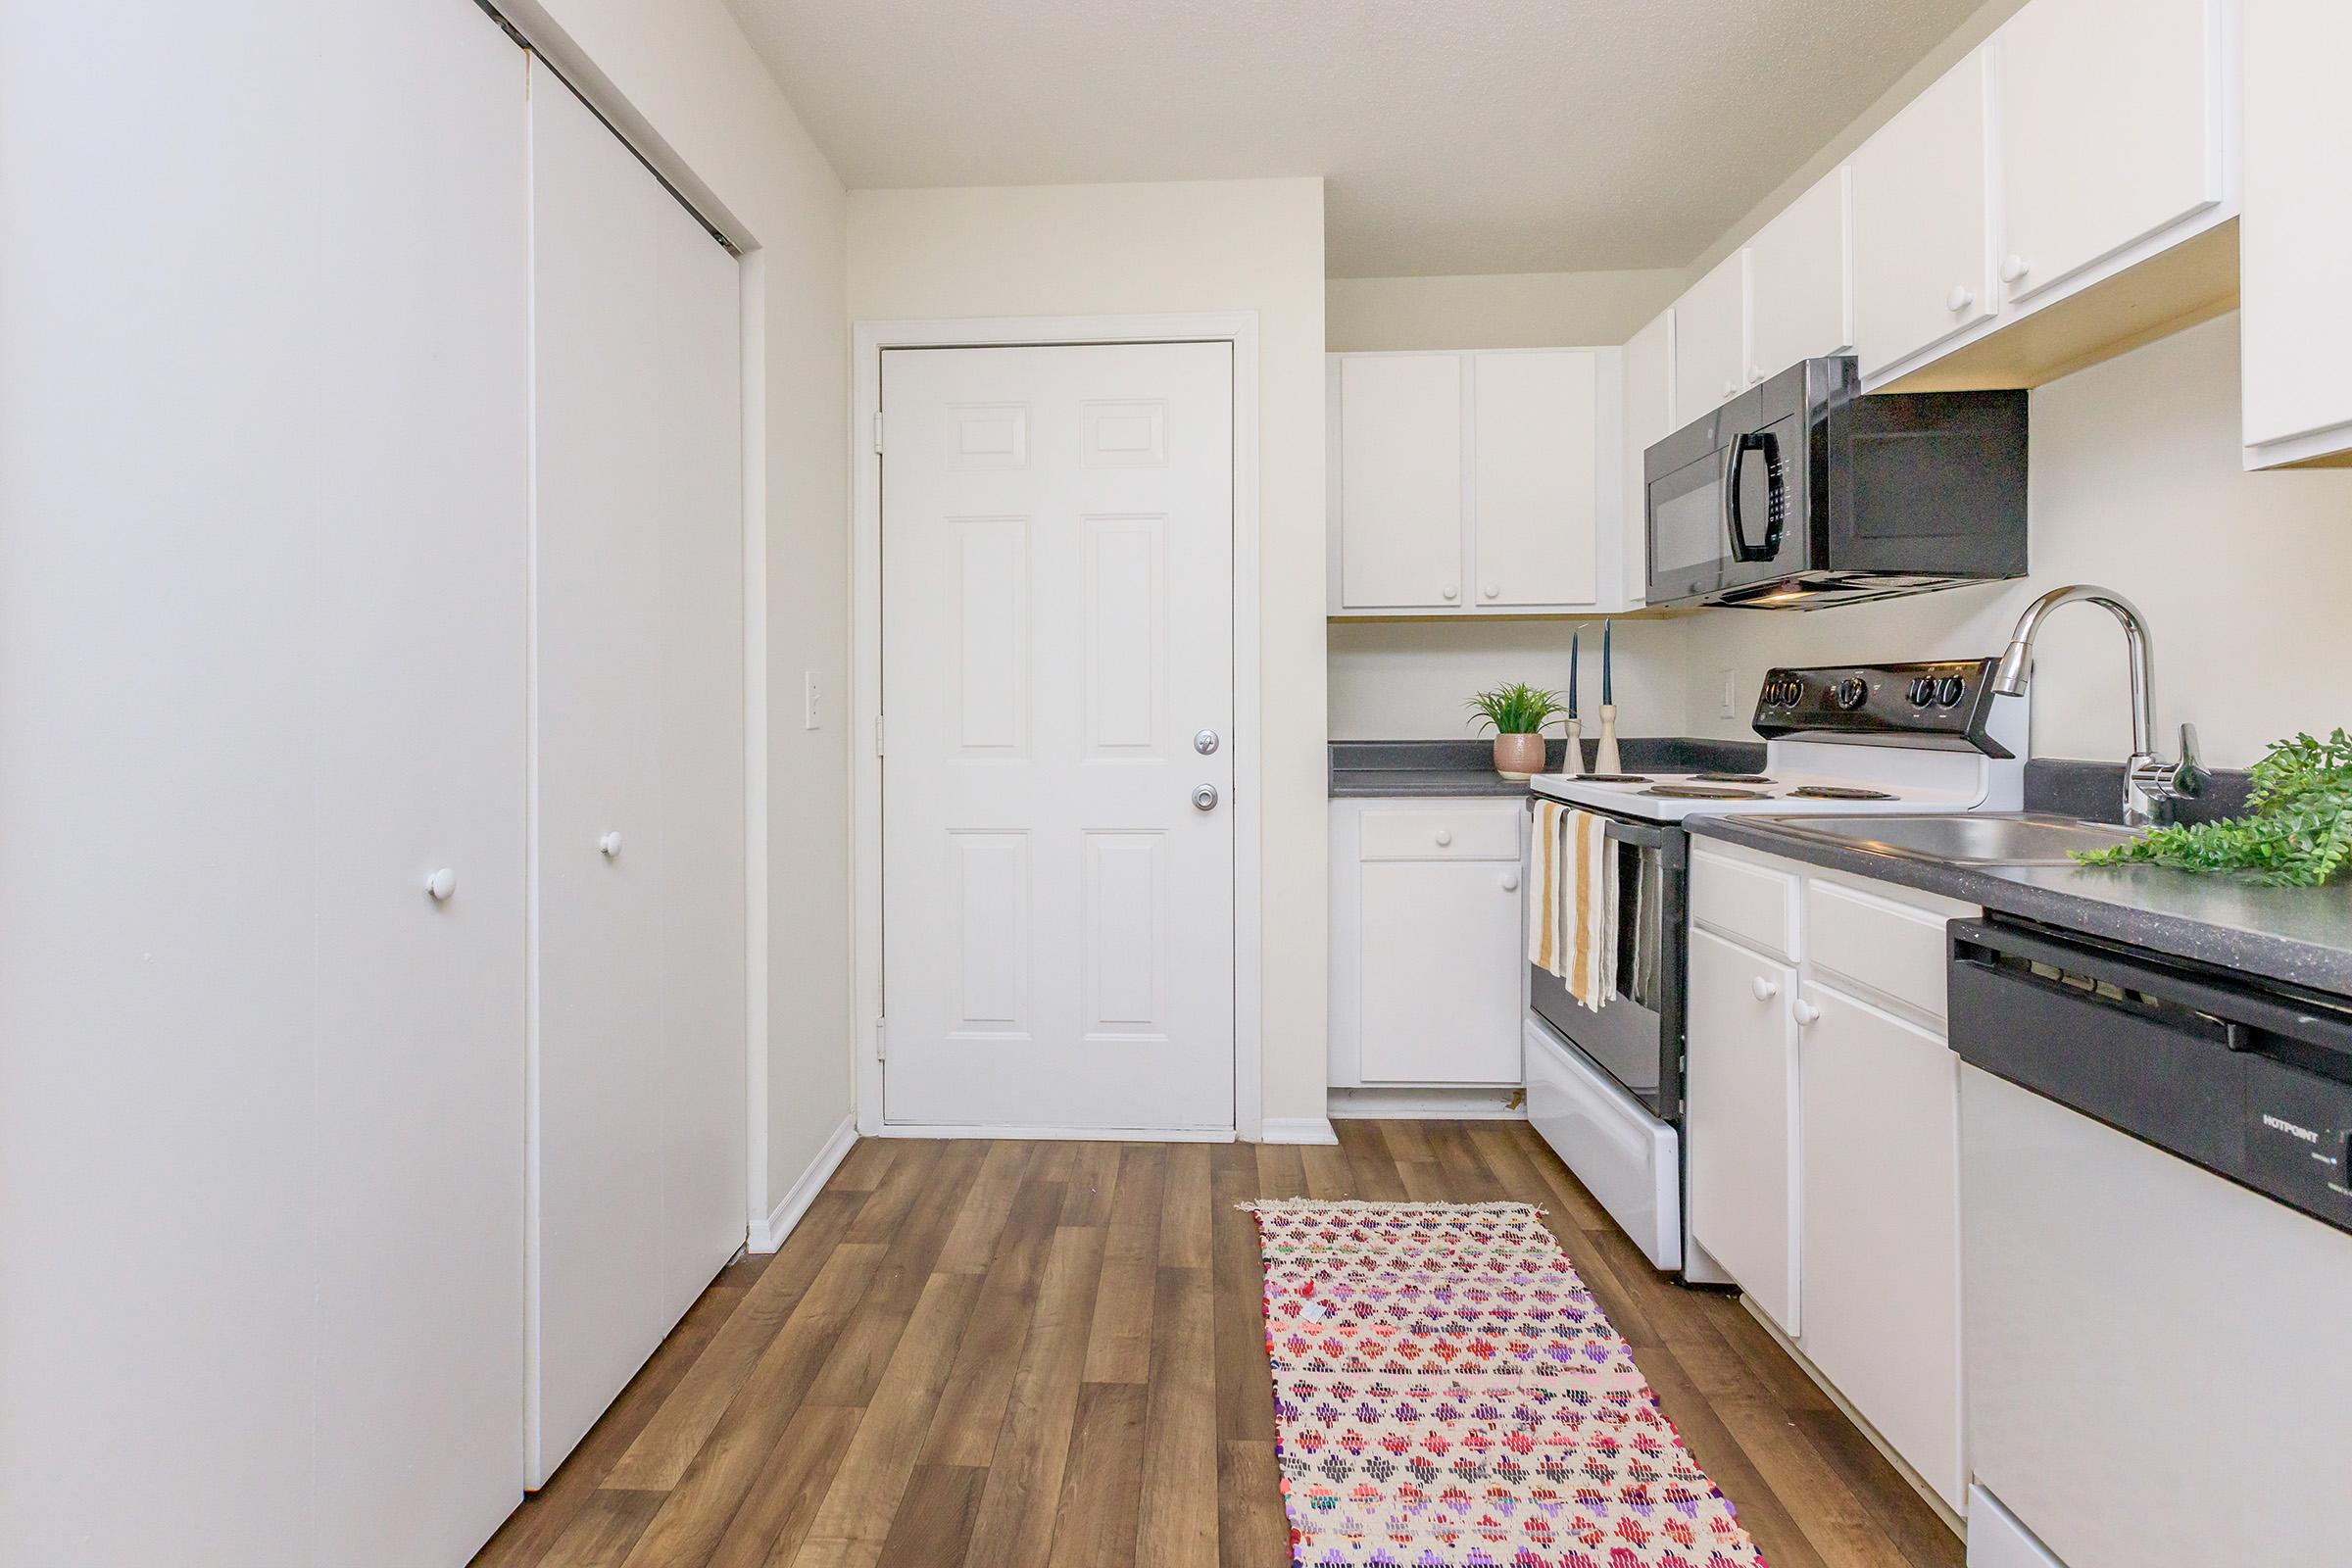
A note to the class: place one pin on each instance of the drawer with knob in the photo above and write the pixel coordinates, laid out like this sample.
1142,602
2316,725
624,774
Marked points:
1482,832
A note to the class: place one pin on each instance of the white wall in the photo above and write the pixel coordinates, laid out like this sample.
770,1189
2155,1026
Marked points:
1211,245
1406,680
2136,484
1494,310
682,79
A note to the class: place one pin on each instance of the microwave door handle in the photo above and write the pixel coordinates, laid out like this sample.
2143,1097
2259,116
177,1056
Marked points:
1776,507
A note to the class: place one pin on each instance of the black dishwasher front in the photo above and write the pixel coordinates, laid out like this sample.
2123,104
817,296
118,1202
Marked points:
2251,1082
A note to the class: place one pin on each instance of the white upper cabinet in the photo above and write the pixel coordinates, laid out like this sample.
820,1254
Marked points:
1400,481
1710,338
1648,420
1923,204
1537,428
1800,271
2111,126
1477,482
2296,232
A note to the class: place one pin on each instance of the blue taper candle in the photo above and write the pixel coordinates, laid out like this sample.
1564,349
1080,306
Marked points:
1573,661
1608,695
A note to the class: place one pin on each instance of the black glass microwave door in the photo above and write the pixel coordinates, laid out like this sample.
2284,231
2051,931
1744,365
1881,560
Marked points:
1687,539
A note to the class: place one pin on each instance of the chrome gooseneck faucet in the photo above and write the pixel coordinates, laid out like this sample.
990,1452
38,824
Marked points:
2150,783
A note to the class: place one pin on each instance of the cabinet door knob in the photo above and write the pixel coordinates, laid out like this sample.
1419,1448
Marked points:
1451,593
1510,881
2015,268
1755,374
608,845
1804,1013
1444,837
1764,988
441,884
1731,388
1491,591
1960,298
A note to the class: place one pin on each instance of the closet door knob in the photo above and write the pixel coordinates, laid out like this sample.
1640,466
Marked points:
1764,988
1806,1013
441,884
1959,299
1510,881
609,846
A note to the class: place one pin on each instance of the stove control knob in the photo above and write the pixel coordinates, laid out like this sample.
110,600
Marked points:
1950,691
1849,693
1923,691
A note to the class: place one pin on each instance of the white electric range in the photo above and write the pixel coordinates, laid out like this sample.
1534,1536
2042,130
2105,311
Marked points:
1606,1088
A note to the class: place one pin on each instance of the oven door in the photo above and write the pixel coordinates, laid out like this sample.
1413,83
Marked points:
1636,1037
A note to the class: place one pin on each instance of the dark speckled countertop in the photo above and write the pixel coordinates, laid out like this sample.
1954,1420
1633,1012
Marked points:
2301,936
1374,769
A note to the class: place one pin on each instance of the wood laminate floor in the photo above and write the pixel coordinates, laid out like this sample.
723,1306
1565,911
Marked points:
1051,1354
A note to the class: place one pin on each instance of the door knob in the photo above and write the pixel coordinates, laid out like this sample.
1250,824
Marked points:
1444,837
1764,988
1205,743
1960,298
1510,881
441,884
1804,1013
608,845
1204,799
2015,268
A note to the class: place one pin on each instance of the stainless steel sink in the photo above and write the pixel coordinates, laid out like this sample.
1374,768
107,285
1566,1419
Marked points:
1987,839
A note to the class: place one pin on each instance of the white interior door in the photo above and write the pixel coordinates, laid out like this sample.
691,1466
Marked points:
637,1086
1057,629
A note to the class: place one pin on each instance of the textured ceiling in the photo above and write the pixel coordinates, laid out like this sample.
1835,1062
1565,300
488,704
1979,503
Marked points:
1456,135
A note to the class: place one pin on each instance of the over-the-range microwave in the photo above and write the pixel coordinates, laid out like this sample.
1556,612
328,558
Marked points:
1803,491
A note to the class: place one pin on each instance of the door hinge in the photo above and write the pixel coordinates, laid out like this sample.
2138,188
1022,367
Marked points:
877,430
877,734
881,1039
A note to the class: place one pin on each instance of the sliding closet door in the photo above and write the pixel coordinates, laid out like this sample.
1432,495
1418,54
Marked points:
262,513
638,1080
417,680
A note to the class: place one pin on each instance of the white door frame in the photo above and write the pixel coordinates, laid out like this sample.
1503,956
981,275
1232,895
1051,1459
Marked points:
870,338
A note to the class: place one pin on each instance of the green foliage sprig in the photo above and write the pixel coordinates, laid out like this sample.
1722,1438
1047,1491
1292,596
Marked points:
2297,829
1515,709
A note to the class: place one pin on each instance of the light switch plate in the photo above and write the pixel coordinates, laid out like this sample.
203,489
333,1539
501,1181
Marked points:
1731,696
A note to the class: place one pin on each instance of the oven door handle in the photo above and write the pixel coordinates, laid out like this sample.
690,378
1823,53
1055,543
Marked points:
1640,835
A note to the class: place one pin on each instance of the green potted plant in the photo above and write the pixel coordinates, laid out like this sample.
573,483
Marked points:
1516,713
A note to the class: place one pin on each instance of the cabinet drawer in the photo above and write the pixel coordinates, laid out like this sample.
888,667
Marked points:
1485,831
1881,944
1757,904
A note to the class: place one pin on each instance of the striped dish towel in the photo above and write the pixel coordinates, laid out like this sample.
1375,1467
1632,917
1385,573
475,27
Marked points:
1572,902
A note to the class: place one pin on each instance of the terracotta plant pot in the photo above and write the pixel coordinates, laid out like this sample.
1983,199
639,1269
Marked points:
1518,756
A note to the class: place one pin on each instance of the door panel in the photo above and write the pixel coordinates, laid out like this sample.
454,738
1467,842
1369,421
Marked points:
1400,481
637,1086
420,709
1923,244
1537,419
2111,129
1740,1120
1800,280
1710,340
1058,536
1882,1227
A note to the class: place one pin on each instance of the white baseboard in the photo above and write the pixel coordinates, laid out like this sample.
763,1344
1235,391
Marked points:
1428,1104
1297,1130
768,1235
1062,1135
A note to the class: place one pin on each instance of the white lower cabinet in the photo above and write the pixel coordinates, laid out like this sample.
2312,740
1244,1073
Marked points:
1822,1118
1740,1118
1427,946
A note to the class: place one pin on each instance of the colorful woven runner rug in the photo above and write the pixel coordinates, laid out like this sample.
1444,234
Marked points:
1447,1393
